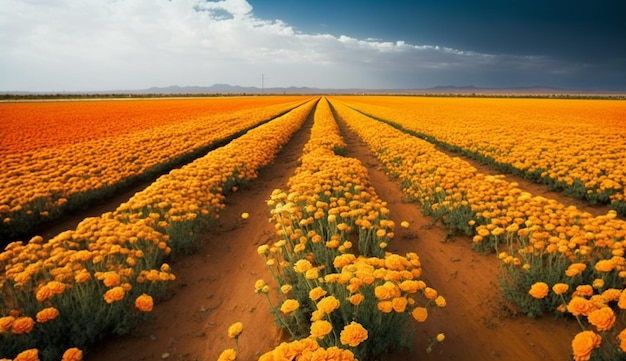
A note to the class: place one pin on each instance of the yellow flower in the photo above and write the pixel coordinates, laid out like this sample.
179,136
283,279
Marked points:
321,328
356,299
575,269
579,306
385,306
440,301
144,303
420,314
353,334
5,323
317,293
228,355
235,329
289,306
584,343
72,354
539,290
47,314
430,293
302,266
404,224
285,289
245,215
328,304
622,340
399,304
440,337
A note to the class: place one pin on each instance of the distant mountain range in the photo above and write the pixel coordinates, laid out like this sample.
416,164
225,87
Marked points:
227,89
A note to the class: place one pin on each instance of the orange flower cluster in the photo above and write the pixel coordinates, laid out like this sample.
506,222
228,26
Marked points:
543,239
575,145
83,153
331,257
105,271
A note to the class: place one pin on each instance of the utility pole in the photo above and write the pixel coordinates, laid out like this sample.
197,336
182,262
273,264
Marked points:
262,82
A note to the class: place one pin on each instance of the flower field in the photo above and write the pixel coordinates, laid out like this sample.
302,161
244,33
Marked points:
327,268
58,156
572,145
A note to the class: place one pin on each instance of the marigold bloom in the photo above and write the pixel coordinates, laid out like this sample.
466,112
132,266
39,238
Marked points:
430,293
328,304
289,306
420,314
317,293
440,337
584,343
47,314
404,224
144,303
245,215
114,294
72,354
440,301
235,329
385,306
353,334
560,288
356,299
575,269
28,355
539,290
579,306
228,355
5,323
302,266
605,265
399,304
321,328
22,325
285,289
603,318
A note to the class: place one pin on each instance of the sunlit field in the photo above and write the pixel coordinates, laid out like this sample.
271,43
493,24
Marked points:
331,281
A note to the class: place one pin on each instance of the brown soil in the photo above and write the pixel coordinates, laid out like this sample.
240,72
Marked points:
215,287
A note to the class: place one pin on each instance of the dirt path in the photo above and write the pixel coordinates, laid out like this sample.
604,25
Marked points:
215,287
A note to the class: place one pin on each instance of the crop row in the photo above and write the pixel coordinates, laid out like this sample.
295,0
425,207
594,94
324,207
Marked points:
336,290
101,278
542,244
577,146
40,184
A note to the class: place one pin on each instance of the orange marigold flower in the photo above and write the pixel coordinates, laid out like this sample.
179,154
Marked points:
328,304
399,304
235,329
539,290
317,293
420,314
302,266
603,318
579,306
353,334
28,355
430,293
605,265
289,306
321,328
584,343
72,354
22,325
440,301
356,299
228,355
114,294
560,288
385,306
5,323
575,269
144,303
47,314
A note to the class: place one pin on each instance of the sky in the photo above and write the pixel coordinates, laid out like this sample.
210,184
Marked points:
99,45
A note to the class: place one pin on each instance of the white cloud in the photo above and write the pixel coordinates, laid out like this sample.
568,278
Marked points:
54,45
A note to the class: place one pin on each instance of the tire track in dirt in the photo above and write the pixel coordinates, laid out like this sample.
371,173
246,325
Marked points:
478,322
215,286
